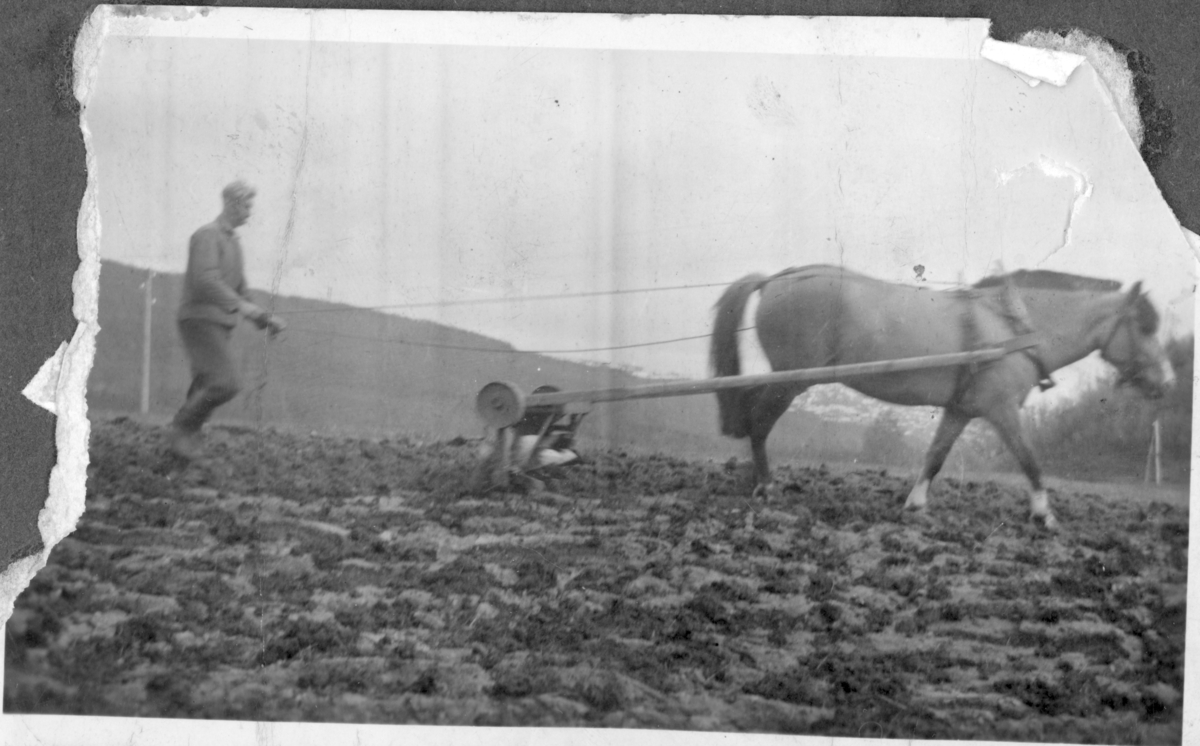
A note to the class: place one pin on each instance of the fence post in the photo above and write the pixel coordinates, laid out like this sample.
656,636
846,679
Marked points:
1157,452
1154,453
149,285
1149,459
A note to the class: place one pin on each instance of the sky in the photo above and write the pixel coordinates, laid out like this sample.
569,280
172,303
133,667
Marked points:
399,163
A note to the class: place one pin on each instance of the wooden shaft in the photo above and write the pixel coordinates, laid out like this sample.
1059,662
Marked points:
828,374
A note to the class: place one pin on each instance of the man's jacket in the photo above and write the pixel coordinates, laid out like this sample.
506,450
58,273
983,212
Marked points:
214,283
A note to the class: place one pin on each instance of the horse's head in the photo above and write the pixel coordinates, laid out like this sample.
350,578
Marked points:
1132,346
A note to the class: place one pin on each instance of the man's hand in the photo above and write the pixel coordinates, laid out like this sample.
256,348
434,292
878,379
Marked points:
257,314
262,318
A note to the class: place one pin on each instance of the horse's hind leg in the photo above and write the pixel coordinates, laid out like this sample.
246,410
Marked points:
951,426
768,406
1007,422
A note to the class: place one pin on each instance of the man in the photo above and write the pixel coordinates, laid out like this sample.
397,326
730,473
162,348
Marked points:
214,299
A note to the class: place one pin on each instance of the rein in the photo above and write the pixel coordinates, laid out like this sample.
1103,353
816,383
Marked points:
1123,318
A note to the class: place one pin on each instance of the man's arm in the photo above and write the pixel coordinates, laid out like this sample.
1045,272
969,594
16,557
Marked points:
209,287
205,269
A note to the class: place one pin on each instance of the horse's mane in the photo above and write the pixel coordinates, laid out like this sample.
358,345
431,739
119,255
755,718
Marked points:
1045,279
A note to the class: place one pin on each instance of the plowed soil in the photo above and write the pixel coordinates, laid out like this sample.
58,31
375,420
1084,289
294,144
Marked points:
335,579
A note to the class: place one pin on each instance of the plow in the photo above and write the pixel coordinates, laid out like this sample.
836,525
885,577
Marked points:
527,432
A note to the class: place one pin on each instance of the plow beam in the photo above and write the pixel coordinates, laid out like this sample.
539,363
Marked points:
501,404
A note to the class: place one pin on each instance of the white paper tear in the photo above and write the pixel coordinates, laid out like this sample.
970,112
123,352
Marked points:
1057,170
1110,66
1033,65
1044,204
60,385
42,389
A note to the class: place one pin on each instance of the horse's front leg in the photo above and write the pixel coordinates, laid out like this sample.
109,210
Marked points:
950,427
1007,421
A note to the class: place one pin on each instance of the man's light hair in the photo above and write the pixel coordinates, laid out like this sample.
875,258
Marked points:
238,191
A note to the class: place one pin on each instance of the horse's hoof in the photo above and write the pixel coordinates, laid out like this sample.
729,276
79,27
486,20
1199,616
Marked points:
499,481
527,484
1047,521
918,514
767,492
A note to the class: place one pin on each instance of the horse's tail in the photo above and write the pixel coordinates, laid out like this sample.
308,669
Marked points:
724,357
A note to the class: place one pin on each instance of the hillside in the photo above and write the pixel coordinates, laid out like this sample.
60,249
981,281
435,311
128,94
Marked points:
347,370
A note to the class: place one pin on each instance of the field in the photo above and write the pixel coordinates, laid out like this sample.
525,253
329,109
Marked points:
340,579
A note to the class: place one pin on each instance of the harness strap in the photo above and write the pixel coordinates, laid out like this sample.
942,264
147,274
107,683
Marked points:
1013,309
1045,382
970,331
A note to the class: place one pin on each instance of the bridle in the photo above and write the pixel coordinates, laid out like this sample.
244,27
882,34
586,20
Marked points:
1128,370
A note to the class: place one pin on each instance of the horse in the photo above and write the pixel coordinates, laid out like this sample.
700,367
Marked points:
822,315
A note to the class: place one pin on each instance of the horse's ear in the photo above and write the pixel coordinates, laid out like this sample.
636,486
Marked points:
1135,292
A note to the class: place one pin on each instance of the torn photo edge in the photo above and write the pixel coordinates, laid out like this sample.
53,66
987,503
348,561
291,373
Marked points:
60,385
